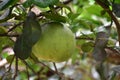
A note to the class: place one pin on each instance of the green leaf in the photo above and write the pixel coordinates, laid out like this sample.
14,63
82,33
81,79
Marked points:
93,10
32,28
75,56
22,48
87,47
21,75
35,67
31,34
64,6
5,41
45,3
117,1
27,3
90,10
9,58
72,15
6,3
56,17
4,54
2,30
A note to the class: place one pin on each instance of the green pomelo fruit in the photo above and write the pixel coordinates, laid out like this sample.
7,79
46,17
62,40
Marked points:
57,43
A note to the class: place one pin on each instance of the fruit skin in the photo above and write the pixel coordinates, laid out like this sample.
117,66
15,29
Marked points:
57,43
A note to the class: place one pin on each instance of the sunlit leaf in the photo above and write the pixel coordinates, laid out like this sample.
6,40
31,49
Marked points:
73,16
21,75
10,58
64,6
57,17
93,12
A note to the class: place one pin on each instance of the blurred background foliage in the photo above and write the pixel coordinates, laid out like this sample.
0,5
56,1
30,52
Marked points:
95,24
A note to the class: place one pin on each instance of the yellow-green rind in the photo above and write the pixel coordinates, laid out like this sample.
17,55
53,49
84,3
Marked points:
57,43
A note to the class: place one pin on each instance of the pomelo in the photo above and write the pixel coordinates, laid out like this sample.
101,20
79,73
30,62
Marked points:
57,43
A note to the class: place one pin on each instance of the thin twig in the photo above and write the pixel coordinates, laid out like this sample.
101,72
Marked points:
47,67
16,68
7,24
57,71
15,26
9,35
84,38
55,67
27,72
42,64
59,74
9,68
11,63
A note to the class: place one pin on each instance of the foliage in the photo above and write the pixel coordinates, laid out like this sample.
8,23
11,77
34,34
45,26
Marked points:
95,24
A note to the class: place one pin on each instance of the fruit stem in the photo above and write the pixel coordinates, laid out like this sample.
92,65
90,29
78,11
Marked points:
59,74
55,67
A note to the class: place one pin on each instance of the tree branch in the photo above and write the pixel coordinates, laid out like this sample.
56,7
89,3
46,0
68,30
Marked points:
84,38
8,35
15,26
104,6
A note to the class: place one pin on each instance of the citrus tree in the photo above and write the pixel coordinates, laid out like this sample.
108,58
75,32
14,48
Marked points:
59,39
